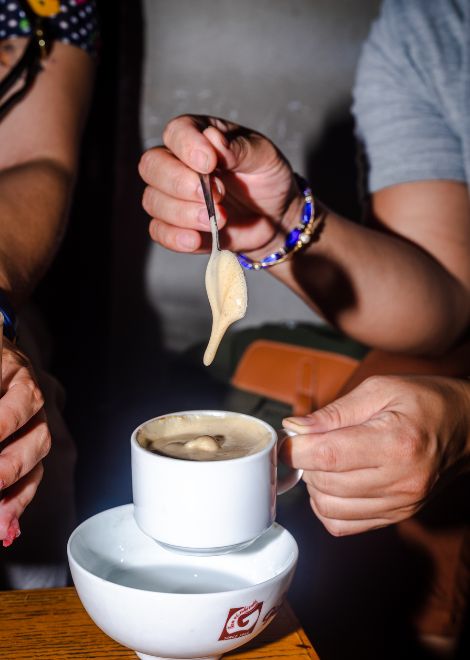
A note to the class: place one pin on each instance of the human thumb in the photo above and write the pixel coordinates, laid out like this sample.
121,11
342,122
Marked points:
353,408
242,150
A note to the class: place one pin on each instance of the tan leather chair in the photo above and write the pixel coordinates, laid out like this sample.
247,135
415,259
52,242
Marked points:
304,378
308,378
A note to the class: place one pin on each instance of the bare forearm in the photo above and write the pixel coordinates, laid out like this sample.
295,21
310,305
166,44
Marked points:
379,289
34,199
40,140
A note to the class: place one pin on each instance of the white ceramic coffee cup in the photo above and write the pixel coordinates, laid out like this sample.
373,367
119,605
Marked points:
207,507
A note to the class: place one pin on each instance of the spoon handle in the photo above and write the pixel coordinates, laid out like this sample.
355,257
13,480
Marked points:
206,189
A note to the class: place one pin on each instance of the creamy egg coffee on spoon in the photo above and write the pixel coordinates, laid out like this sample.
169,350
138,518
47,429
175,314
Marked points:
225,282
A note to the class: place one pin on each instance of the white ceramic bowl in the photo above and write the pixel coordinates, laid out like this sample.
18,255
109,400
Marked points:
166,605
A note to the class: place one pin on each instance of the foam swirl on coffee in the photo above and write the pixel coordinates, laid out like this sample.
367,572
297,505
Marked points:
203,438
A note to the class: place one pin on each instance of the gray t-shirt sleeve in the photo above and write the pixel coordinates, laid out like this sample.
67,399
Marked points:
398,116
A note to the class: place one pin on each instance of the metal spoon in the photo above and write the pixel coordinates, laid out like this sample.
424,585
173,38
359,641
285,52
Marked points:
206,189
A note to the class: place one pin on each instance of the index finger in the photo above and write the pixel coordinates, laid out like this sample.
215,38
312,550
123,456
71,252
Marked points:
22,400
351,448
23,451
184,137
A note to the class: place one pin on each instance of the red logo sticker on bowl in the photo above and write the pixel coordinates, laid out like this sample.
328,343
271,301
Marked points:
241,621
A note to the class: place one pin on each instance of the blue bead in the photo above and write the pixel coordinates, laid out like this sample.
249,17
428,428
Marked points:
246,262
271,258
292,238
307,212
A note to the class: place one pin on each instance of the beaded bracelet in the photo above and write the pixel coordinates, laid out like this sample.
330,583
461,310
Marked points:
296,239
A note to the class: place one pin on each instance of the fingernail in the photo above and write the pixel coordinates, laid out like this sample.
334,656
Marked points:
203,218
219,186
200,160
298,421
224,140
186,241
13,533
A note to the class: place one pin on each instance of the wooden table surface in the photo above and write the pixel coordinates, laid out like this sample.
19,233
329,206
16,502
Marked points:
51,624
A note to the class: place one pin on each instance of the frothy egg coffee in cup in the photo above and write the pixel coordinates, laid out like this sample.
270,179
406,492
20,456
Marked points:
203,437
205,482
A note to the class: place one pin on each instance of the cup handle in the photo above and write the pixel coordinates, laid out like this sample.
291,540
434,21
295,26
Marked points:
292,476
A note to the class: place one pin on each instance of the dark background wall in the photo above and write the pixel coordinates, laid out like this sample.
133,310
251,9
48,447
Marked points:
93,296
